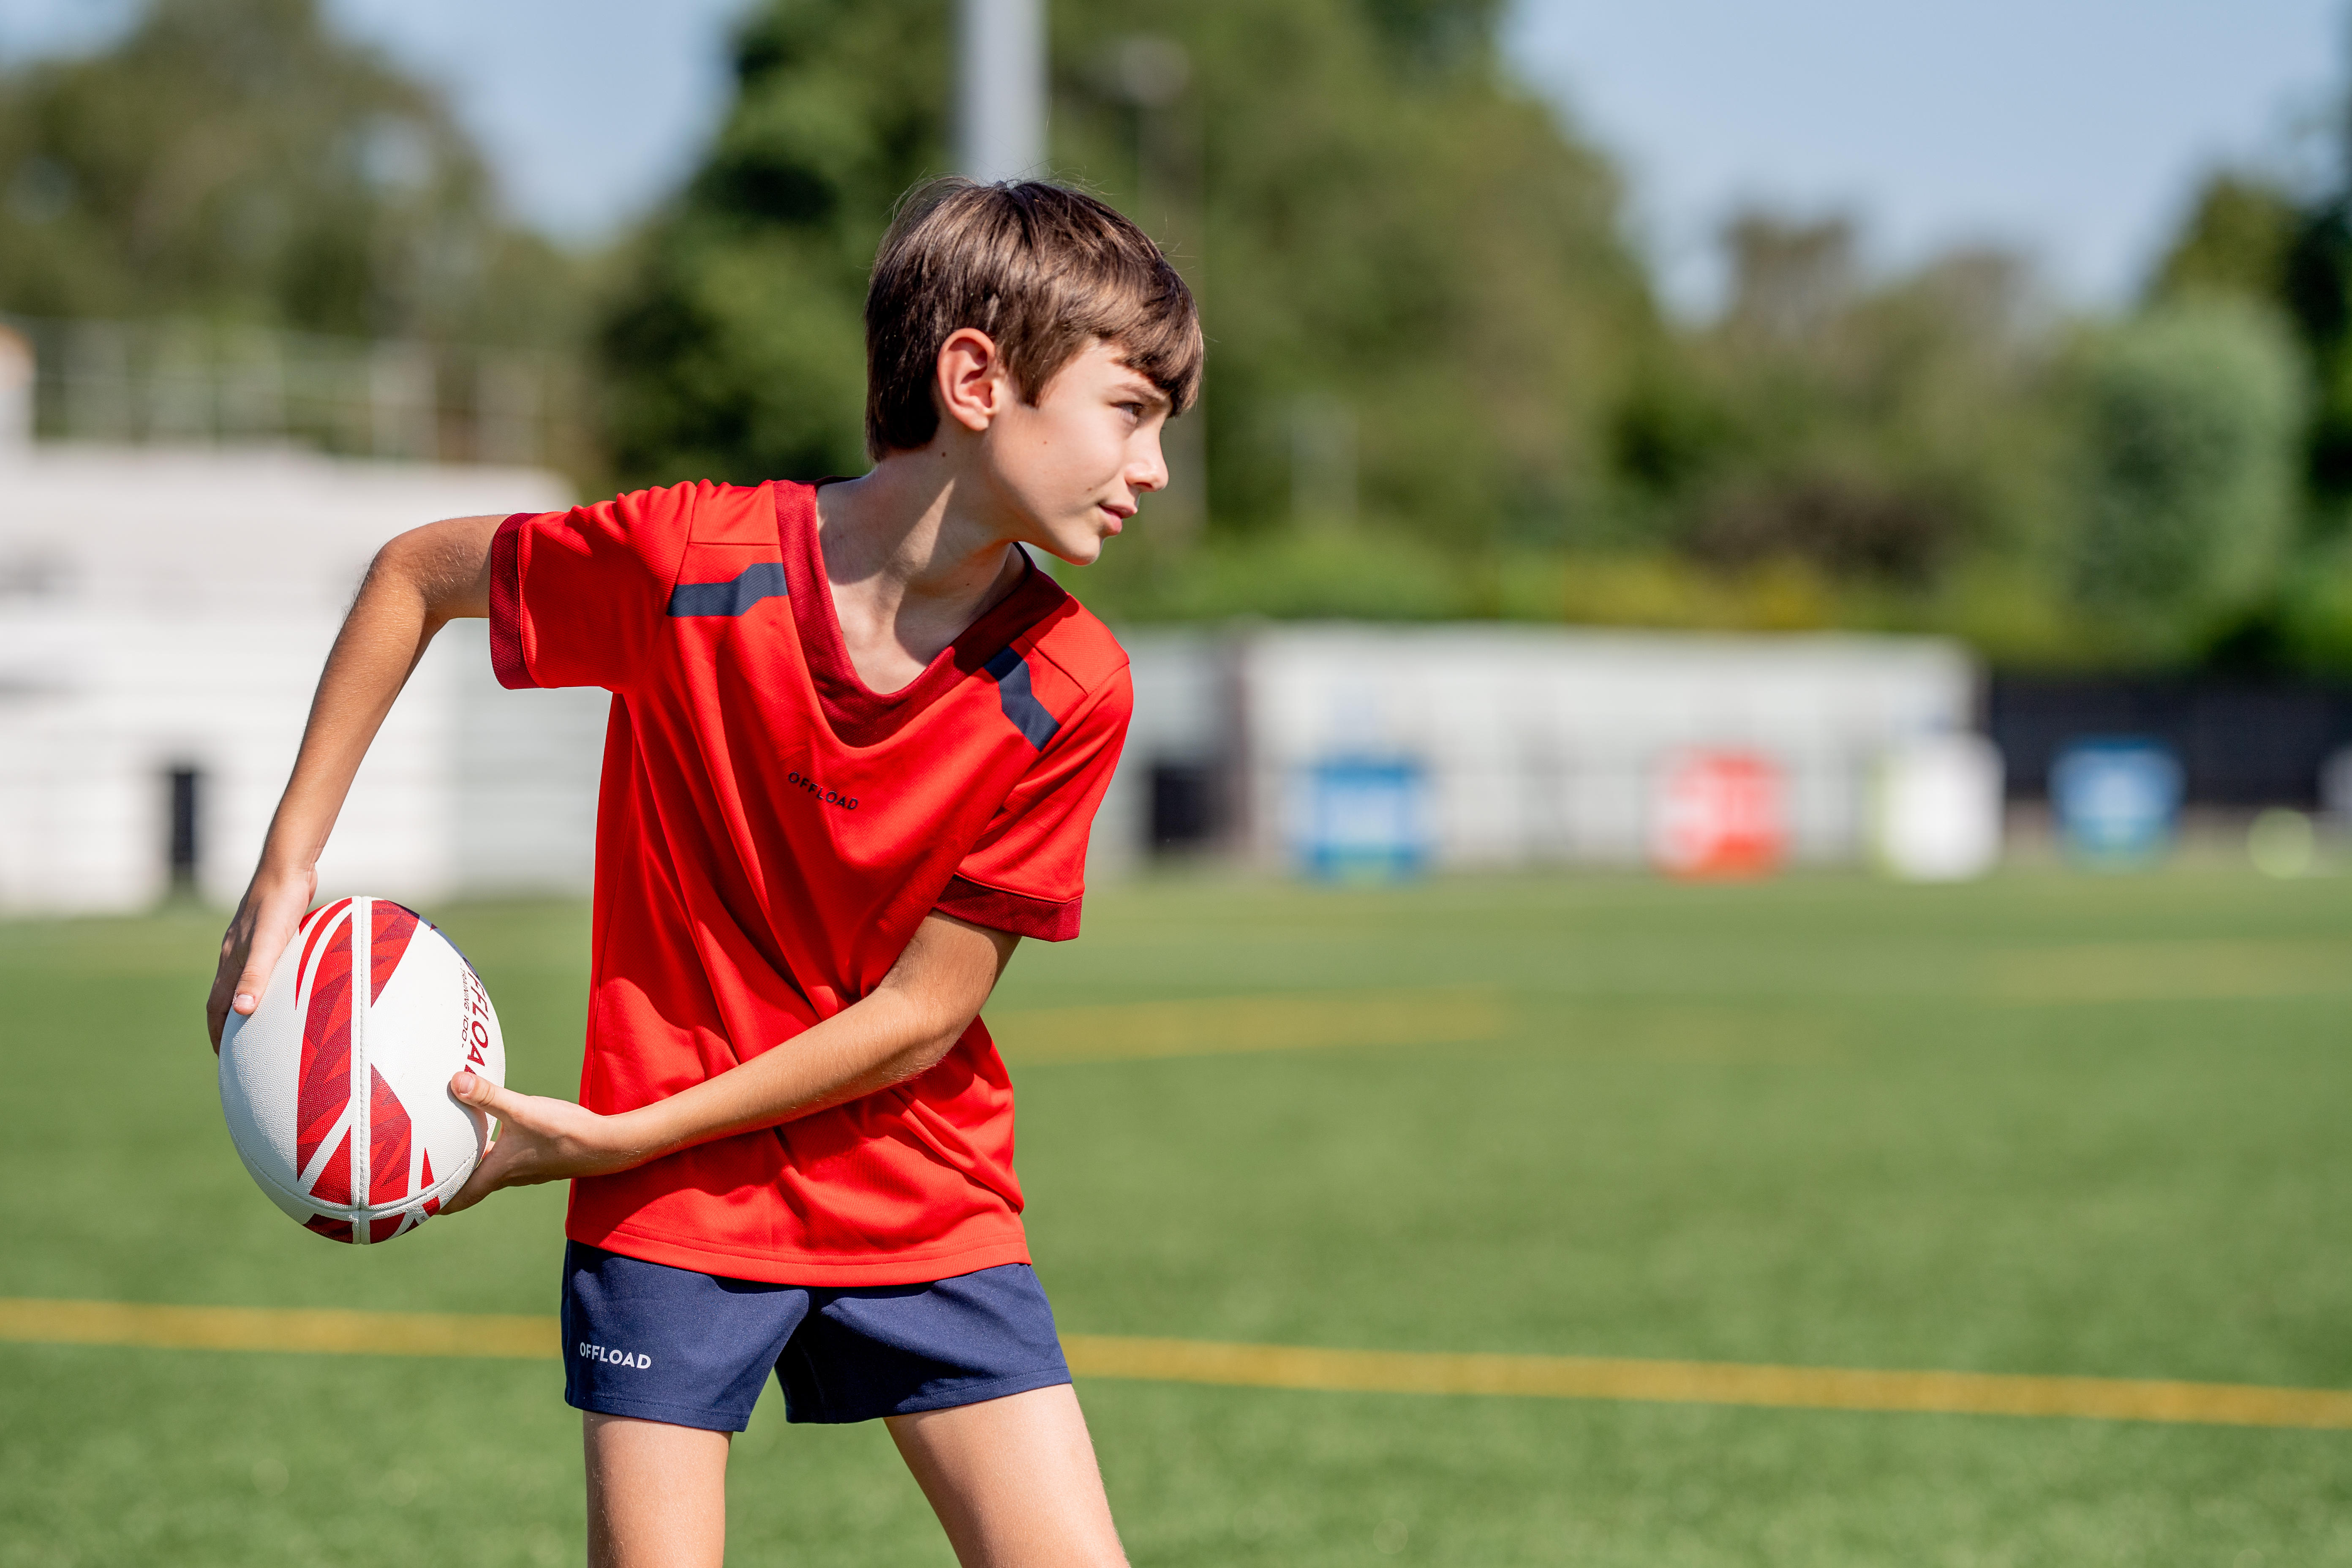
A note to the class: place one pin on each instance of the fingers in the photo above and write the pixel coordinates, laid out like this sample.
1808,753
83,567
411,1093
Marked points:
472,1088
491,1170
273,928
234,944
542,1140
240,996
249,987
266,918
478,1185
484,1096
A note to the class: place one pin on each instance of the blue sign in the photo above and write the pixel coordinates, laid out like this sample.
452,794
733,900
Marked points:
2117,800
1363,820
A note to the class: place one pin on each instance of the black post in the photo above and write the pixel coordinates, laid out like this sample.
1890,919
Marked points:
184,783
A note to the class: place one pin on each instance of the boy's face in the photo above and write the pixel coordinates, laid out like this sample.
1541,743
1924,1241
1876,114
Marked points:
1075,464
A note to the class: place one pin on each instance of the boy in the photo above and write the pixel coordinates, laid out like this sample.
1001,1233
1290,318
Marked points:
857,742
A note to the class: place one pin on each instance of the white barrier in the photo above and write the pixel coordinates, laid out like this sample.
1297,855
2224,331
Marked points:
1938,808
1541,744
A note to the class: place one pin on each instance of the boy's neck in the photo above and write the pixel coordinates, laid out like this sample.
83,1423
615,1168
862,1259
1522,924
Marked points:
912,564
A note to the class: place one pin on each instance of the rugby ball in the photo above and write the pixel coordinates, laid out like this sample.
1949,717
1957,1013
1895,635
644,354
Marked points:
336,1086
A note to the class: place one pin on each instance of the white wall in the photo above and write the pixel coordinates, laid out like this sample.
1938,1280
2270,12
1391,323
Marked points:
524,810
160,609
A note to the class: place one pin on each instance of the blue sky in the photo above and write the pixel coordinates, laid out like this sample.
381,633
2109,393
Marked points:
2070,129
2073,130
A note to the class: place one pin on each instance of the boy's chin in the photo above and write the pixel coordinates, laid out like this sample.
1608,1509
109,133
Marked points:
1076,552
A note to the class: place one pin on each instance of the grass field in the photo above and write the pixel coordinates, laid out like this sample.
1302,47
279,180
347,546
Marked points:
2044,1124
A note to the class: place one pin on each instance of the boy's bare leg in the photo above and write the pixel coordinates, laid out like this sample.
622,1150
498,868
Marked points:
1013,1481
657,1494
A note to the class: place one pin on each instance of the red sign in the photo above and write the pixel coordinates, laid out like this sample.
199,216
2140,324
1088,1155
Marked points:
1719,815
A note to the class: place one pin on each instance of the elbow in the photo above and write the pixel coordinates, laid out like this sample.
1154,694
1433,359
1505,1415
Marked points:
397,567
944,1040
403,557
936,1035
440,565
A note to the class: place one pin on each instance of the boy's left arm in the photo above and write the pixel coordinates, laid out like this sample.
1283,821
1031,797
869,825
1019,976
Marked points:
904,1027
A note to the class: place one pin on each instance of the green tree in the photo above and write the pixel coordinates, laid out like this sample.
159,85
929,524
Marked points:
1876,431
2236,239
1385,235
1387,238
2190,416
235,160
737,350
2251,237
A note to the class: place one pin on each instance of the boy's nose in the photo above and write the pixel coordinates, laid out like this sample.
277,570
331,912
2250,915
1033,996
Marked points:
1151,472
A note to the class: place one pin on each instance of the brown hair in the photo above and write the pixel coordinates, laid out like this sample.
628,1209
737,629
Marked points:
1041,269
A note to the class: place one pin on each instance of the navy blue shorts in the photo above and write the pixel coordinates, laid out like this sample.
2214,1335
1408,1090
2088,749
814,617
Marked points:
693,1350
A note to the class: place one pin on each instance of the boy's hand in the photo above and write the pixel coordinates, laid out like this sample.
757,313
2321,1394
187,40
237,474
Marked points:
542,1140
257,934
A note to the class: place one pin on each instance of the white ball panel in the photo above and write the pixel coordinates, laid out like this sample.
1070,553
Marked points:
297,1207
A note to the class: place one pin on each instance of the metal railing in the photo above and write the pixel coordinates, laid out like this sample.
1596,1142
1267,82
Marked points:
193,383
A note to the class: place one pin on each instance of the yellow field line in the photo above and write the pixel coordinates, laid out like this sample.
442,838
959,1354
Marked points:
1267,1366
1219,1024
1707,1382
276,1328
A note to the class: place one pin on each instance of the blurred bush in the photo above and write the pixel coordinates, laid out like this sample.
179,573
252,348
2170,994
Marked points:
1878,432
235,160
2277,251
2189,420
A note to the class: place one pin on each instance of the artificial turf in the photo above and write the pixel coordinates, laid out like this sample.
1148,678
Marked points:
2045,1123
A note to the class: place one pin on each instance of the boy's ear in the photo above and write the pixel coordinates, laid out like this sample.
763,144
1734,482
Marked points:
971,383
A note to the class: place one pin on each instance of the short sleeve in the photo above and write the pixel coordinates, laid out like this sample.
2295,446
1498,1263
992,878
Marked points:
577,597
1027,874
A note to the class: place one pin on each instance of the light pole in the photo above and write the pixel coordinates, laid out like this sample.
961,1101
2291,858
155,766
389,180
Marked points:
1001,88
1154,76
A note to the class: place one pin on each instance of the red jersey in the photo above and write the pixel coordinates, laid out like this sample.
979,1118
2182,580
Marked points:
769,835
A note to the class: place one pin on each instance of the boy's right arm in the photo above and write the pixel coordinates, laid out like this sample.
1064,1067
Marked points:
417,584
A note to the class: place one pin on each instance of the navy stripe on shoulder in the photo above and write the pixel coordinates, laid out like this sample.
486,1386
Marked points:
761,580
1010,673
